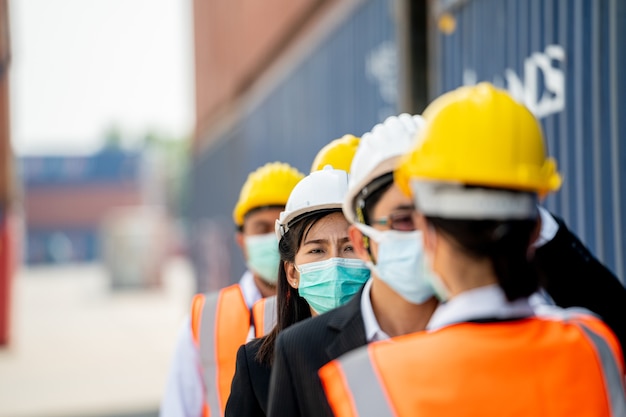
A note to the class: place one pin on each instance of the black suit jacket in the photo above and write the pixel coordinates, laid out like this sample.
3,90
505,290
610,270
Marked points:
572,277
295,388
250,386
575,278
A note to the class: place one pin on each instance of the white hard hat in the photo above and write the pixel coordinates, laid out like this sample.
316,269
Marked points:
320,190
378,154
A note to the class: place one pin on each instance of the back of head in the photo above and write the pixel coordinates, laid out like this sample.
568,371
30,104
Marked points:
476,172
480,136
338,154
269,185
377,156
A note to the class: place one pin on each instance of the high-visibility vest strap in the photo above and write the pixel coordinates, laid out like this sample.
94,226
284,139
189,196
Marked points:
264,315
354,369
612,369
197,304
572,361
222,324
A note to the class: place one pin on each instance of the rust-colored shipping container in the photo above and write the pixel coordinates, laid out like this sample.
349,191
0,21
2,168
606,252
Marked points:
7,233
235,42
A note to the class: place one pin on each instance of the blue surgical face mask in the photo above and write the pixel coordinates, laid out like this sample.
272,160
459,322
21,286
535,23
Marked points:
328,284
400,263
263,257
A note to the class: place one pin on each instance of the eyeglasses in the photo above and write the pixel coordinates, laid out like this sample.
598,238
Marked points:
401,220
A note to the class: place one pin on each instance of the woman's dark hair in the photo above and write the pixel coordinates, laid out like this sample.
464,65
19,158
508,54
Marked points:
290,306
505,243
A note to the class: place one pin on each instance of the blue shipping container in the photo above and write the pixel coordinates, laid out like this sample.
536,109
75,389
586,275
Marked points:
108,166
346,84
45,246
564,60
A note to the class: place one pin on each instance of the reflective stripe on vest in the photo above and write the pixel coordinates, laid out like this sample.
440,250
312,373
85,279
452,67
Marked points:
265,316
220,324
354,369
384,379
613,378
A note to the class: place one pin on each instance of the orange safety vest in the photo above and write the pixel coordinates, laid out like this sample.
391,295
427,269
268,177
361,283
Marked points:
528,367
265,315
220,324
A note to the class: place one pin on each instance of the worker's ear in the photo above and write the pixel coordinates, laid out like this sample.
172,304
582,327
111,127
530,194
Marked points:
293,276
358,241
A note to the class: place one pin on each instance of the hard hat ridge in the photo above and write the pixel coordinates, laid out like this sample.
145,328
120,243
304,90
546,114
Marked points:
378,154
478,136
320,190
338,153
269,185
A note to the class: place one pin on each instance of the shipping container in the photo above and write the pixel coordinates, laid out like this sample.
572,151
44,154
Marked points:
563,60
108,167
67,197
343,83
61,245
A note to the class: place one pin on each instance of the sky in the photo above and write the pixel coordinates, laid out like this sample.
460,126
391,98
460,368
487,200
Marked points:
80,67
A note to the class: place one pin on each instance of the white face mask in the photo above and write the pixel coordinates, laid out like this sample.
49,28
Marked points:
400,262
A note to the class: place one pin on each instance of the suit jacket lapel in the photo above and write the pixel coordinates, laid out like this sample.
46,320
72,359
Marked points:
347,324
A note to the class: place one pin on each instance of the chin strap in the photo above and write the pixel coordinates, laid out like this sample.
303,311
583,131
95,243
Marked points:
361,219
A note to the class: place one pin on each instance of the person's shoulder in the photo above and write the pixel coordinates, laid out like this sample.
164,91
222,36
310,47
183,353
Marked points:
201,297
253,346
248,353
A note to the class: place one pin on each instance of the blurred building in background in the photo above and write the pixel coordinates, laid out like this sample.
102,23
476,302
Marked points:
278,80
106,207
66,198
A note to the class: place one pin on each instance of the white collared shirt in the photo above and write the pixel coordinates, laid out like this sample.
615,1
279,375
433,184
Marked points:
373,332
549,228
184,392
479,303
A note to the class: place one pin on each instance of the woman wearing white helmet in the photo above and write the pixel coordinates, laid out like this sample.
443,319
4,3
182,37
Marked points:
396,301
318,272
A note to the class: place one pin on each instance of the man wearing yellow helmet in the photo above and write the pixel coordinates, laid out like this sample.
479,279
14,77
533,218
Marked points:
204,362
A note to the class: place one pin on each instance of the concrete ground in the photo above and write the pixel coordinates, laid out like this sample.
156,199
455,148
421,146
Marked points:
80,349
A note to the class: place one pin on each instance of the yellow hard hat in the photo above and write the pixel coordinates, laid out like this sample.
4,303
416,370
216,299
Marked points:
269,185
338,153
480,136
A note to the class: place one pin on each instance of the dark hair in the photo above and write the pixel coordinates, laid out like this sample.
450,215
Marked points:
505,243
373,193
290,306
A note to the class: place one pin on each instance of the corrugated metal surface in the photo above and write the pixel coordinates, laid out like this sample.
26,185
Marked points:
564,59
346,85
